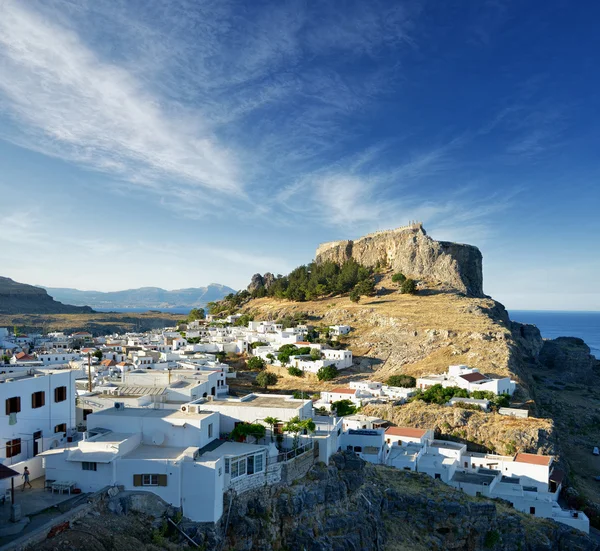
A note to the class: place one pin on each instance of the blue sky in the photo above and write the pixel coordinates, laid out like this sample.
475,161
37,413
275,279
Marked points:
176,143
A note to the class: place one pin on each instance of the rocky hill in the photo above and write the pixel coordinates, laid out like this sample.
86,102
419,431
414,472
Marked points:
19,298
411,251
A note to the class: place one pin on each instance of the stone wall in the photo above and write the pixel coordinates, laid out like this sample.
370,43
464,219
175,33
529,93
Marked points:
411,251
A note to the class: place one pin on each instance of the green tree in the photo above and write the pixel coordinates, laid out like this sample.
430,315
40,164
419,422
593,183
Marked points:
295,371
272,422
270,357
315,354
409,287
196,314
343,408
243,430
437,394
6,359
296,426
257,344
255,363
327,373
243,320
97,354
354,296
266,378
404,381
398,277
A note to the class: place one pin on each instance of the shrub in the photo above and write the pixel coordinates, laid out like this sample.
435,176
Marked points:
255,363
343,408
295,371
243,430
398,278
257,344
491,539
437,394
404,381
409,287
355,296
327,373
266,378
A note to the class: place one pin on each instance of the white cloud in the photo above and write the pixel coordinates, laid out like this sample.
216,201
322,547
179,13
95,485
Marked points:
71,104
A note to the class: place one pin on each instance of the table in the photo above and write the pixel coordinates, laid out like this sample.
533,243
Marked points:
62,486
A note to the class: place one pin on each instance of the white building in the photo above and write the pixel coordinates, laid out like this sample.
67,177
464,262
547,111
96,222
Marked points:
337,330
39,411
528,481
470,379
147,449
367,444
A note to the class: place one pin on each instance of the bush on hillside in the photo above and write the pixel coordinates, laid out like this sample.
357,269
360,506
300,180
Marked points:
255,363
409,287
398,278
327,373
295,371
404,381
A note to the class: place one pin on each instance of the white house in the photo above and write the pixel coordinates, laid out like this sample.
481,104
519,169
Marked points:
470,379
254,408
367,444
147,449
337,330
39,411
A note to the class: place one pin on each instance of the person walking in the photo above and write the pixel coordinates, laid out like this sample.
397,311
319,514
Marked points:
25,477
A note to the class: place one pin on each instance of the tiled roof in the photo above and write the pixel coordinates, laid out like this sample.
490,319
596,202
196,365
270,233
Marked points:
343,390
533,459
473,377
406,432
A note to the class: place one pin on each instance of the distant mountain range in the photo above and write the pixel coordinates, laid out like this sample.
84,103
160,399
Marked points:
20,298
149,298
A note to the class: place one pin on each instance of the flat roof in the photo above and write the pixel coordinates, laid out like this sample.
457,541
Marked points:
259,401
151,412
407,432
533,459
473,478
446,444
228,449
158,452
108,437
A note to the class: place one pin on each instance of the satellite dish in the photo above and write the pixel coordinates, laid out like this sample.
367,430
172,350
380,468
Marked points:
158,438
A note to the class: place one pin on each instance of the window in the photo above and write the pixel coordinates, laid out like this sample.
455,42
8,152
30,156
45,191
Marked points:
13,447
258,463
227,466
250,465
13,405
60,393
532,510
60,428
38,399
210,430
438,475
87,412
150,480
358,449
89,466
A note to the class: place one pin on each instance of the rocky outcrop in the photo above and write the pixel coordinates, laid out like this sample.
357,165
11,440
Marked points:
571,356
259,282
19,298
411,251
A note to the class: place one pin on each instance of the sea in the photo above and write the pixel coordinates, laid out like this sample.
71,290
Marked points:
585,325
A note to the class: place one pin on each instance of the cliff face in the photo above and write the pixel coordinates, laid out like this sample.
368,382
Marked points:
411,251
19,298
571,357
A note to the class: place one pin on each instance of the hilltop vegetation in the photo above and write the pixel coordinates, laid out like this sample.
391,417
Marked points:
316,280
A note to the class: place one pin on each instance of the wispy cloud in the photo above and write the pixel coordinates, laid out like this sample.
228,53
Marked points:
69,103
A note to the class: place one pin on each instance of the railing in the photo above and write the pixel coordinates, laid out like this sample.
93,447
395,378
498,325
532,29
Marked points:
286,456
